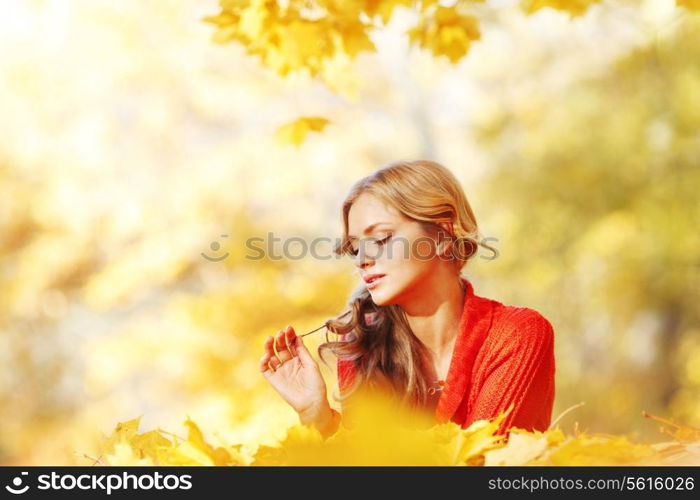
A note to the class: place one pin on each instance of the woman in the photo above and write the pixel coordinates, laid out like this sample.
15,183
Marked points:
417,329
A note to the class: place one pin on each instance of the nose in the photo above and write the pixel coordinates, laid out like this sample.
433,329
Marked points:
362,261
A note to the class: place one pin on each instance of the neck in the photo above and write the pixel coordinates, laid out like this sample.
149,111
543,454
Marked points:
434,316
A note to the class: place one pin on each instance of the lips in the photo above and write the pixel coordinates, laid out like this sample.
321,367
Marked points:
372,277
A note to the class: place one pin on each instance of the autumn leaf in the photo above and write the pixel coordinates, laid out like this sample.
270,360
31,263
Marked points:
254,19
446,33
470,445
124,455
148,443
385,9
296,131
196,451
299,45
523,446
123,432
126,447
381,432
353,39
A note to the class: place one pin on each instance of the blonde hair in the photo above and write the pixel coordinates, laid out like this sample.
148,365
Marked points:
386,353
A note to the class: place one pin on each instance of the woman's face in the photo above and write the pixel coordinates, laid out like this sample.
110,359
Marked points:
387,243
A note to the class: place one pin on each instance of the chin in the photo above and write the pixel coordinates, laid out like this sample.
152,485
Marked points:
380,302
382,298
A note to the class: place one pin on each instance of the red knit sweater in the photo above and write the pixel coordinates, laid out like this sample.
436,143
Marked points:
502,355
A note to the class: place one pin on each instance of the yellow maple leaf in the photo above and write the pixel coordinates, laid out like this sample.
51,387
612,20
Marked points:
123,432
196,451
479,437
354,39
555,436
148,444
253,19
446,33
124,455
226,23
299,44
522,447
222,19
296,131
126,447
384,8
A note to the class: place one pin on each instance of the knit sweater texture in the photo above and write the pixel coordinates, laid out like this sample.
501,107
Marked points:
502,355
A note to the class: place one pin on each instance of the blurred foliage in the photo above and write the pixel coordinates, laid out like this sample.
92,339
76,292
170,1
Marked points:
130,150
323,37
382,435
606,172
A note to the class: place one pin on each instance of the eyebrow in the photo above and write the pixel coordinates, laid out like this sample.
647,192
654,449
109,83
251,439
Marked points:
368,229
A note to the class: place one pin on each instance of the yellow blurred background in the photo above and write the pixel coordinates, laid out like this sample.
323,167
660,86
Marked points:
131,145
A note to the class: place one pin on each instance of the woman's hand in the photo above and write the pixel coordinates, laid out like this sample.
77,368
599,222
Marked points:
295,375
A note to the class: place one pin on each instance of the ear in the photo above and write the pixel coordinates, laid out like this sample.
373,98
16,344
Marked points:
447,227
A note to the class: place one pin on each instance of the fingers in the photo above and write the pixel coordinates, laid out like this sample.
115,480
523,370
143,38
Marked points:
265,363
283,343
275,363
269,348
268,355
300,350
284,352
268,365
291,340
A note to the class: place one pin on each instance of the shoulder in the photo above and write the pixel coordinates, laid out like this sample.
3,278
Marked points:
520,327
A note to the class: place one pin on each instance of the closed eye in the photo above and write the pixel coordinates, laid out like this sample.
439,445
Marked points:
382,242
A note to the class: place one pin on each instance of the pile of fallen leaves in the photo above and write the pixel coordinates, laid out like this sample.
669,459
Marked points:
377,437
